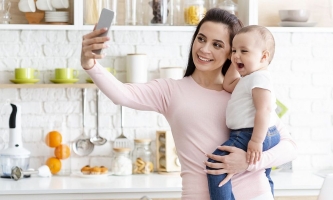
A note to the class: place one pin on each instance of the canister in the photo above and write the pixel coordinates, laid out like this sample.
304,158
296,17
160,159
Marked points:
194,11
121,161
142,157
136,68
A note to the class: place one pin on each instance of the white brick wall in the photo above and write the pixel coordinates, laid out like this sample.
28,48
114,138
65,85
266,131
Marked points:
302,70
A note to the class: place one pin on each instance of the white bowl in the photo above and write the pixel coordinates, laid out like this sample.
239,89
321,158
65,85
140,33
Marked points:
27,6
294,15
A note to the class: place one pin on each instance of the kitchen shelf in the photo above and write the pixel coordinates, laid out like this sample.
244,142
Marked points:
76,85
248,14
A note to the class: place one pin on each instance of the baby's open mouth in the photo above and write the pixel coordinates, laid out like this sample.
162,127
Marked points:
240,65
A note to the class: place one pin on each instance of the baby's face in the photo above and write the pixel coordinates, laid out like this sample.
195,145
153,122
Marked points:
247,52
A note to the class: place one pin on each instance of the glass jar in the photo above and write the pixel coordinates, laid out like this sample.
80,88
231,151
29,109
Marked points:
134,12
158,12
121,161
229,6
93,9
194,11
142,157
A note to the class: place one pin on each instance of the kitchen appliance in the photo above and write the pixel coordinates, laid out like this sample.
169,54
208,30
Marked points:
166,153
17,173
15,154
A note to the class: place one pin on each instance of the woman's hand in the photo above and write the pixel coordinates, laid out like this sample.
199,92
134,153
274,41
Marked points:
233,163
91,42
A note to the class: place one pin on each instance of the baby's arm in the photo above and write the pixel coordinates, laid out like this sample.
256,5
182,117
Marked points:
261,100
231,79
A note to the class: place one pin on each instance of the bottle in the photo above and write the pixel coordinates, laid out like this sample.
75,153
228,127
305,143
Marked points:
142,157
229,5
121,161
194,11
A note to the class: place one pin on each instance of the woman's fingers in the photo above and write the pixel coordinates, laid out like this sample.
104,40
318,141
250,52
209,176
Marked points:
235,162
94,33
226,179
216,172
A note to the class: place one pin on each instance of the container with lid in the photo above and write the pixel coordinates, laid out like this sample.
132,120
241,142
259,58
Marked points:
158,12
121,161
142,157
229,6
194,11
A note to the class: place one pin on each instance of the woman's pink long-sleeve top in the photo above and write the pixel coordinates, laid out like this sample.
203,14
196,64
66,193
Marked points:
197,119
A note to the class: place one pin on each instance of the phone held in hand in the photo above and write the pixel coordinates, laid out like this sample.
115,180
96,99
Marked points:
105,20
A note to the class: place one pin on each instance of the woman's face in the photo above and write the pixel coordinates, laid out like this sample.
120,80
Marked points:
211,47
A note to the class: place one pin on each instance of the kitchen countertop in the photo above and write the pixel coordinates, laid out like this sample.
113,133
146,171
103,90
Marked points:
136,186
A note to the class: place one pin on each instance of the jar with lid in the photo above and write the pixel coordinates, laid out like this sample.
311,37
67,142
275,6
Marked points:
121,161
158,12
142,157
229,6
194,11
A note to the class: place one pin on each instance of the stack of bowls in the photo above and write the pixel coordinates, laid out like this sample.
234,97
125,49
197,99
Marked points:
295,18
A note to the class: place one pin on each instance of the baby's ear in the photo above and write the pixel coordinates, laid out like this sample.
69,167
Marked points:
265,56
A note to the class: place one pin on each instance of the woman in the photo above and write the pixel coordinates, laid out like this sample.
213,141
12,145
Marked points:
195,109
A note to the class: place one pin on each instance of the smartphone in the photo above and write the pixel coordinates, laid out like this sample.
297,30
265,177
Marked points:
105,20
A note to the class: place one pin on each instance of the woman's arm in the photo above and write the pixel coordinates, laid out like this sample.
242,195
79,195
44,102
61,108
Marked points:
235,162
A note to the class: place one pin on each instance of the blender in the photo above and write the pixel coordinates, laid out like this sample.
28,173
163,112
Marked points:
15,155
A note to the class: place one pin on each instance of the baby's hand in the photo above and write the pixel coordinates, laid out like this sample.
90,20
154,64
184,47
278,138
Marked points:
254,151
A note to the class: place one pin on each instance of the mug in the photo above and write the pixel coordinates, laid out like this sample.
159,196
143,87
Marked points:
59,4
66,73
111,70
27,6
44,5
26,73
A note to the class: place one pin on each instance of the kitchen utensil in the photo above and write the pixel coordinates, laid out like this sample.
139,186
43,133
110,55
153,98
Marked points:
121,141
83,146
15,154
17,172
98,140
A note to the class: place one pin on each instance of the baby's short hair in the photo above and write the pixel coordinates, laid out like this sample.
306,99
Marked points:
266,36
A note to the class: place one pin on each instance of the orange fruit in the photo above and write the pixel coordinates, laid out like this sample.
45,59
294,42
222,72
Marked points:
54,164
53,139
62,151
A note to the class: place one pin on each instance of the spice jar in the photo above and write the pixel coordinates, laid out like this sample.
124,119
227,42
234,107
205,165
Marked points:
121,161
194,11
142,157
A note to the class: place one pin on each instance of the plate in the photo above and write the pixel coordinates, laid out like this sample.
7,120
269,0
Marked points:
64,81
89,80
79,174
297,24
24,81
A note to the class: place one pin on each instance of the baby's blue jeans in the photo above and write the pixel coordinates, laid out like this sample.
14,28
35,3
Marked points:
240,139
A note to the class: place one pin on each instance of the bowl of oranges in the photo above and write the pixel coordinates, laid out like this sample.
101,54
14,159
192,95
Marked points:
60,151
